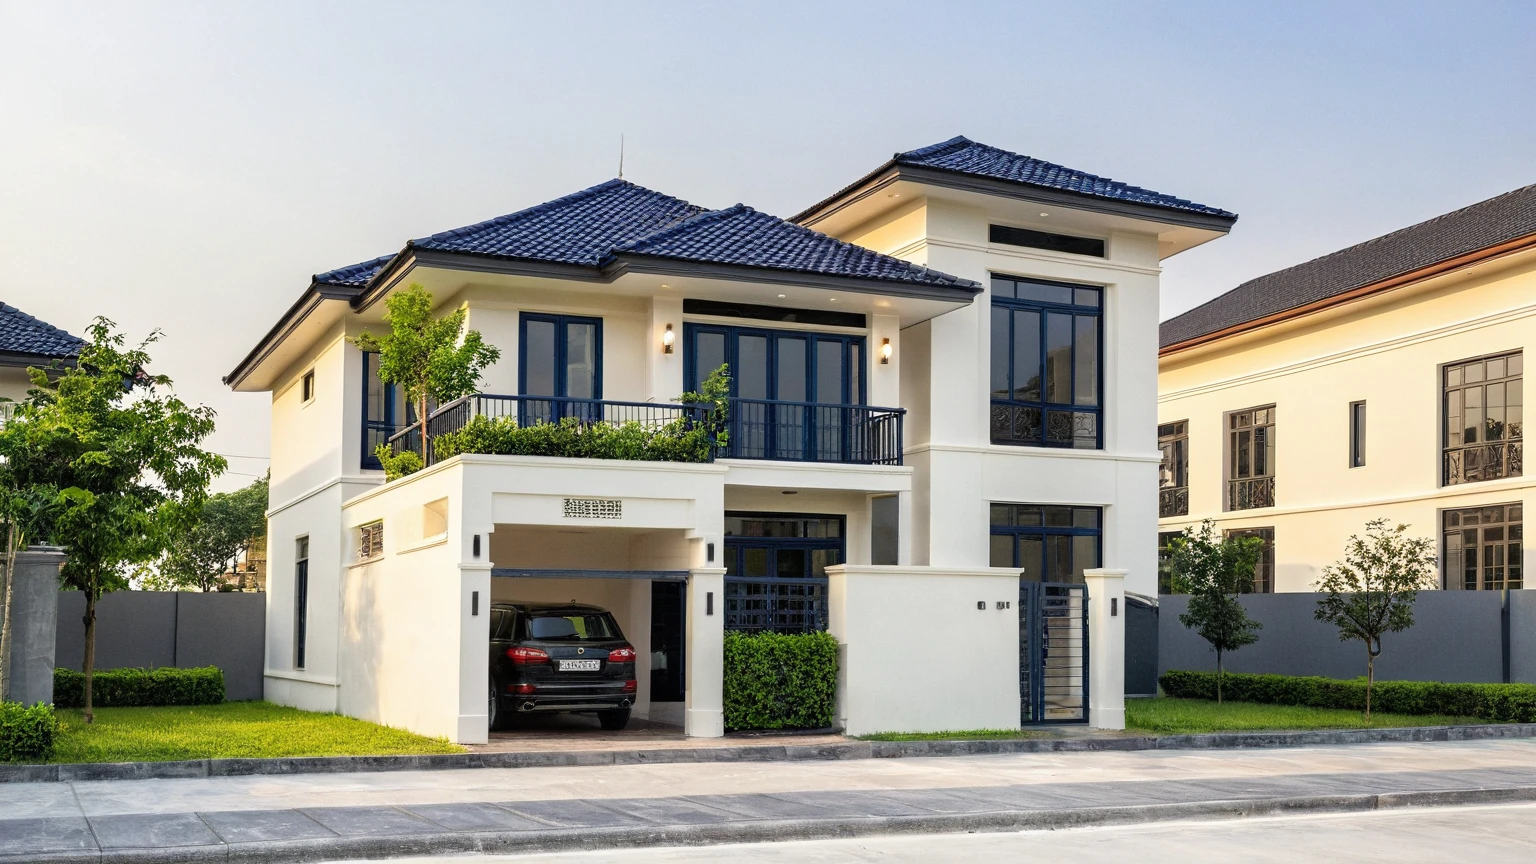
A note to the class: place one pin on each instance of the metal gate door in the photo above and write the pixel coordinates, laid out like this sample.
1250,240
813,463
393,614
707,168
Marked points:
1053,652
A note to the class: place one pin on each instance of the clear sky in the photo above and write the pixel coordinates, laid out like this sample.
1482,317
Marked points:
188,165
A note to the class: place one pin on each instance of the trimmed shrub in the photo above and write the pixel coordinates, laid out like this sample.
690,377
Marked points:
138,688
680,440
780,680
1497,703
26,734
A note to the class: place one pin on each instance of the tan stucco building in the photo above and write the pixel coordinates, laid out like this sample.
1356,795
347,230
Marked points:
1381,381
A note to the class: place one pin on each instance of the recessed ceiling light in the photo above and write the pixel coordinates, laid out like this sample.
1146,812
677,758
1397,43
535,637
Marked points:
782,296
665,285
1043,215
894,195
834,299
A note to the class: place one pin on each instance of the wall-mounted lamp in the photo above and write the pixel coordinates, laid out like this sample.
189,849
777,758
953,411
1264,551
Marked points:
666,340
885,352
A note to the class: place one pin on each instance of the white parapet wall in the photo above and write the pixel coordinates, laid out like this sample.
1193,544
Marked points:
925,649
1106,648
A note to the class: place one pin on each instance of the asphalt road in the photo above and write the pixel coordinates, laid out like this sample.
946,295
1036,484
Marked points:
1485,835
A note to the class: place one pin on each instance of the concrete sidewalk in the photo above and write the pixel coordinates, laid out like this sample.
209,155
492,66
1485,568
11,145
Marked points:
314,817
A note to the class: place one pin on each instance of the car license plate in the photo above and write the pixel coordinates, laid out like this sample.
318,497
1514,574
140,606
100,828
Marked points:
579,665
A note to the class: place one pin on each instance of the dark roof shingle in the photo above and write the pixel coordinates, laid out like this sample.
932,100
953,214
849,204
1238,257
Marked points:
21,333
1498,220
353,275
964,156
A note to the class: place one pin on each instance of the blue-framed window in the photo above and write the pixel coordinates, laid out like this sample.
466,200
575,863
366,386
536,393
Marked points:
385,410
560,355
1046,542
1047,363
776,570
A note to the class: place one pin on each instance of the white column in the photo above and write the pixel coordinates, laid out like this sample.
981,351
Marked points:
666,370
705,653
884,378
474,635
1106,648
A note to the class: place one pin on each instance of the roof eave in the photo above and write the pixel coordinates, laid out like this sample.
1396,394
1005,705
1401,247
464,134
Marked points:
287,323
963,291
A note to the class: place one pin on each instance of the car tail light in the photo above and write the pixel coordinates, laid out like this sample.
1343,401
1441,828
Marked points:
629,686
527,656
622,655
521,689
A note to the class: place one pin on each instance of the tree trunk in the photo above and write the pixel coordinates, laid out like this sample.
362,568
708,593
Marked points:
1218,676
421,414
1370,680
89,667
8,576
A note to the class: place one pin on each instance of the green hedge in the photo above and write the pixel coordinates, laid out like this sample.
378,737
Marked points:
780,681
137,688
26,734
1496,703
678,440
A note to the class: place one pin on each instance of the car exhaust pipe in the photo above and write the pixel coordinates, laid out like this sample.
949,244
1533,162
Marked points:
624,703
526,706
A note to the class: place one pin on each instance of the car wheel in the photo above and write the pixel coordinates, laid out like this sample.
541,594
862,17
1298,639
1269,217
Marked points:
614,720
496,719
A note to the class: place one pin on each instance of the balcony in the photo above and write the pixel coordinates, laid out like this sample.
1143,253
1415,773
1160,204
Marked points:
758,429
1250,493
1172,501
1480,462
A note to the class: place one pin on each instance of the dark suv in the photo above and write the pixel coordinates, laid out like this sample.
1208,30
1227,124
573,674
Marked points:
559,657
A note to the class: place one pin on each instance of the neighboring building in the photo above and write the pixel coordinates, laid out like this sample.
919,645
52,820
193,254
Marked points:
26,341
965,395
1381,381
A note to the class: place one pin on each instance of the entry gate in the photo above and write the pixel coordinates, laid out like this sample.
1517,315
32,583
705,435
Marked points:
1053,652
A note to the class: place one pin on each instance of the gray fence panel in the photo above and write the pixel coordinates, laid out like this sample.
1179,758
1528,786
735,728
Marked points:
1457,637
1522,636
1140,647
133,628
150,629
227,631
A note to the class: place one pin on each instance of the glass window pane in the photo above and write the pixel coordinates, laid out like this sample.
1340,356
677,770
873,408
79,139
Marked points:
1000,345
1058,551
1086,360
1058,516
791,370
1452,376
1058,358
1514,363
1085,517
855,374
1085,296
1028,516
752,356
1001,554
754,562
790,563
1002,515
1472,372
1002,287
1026,356
1032,557
1085,555
830,373
708,355
1045,293
581,360
1495,368
376,404
539,358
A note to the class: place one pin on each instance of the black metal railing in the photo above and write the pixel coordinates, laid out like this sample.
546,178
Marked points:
1250,493
1478,462
813,432
758,429
1173,501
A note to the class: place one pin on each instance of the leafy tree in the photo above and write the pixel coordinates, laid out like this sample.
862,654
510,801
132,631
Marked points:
1372,591
432,359
105,461
229,526
1215,572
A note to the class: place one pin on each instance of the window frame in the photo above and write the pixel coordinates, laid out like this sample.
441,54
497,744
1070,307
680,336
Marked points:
1510,447
300,601
732,334
1514,535
1357,427
562,353
1170,502
1014,406
370,541
996,529
1233,483
734,549
1266,556
307,387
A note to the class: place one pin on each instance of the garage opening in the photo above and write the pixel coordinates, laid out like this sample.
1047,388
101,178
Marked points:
588,631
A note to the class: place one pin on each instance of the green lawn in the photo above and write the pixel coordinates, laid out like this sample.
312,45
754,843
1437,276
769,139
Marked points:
230,730
969,735
1165,716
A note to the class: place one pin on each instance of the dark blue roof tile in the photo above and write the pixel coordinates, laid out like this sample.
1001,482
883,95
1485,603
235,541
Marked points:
20,333
964,156
353,275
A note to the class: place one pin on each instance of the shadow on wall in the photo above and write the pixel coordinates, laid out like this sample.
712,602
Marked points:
1458,636
183,629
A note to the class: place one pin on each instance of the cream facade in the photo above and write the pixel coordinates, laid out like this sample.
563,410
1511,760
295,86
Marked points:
897,524
1399,348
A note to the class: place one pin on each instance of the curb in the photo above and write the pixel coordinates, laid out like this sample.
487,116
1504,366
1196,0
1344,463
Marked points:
567,840
198,768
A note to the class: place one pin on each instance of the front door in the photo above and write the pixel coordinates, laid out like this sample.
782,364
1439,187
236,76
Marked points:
776,570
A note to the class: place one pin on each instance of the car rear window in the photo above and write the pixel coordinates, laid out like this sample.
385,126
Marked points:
571,628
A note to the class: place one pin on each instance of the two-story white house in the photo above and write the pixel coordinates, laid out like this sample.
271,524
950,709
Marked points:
942,418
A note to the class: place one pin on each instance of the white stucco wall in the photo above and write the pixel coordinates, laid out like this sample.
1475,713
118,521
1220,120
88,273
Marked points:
1389,353
917,655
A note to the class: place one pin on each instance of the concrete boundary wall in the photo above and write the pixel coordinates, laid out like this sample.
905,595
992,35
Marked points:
1458,636
170,628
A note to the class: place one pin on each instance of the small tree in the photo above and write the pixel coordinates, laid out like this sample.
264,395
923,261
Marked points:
432,359
1215,572
1372,591
229,525
106,462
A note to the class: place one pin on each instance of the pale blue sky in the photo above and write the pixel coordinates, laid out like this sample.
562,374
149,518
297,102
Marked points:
189,165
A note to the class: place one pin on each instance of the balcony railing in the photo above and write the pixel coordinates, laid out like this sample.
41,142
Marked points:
1251,492
1173,501
759,429
1483,462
